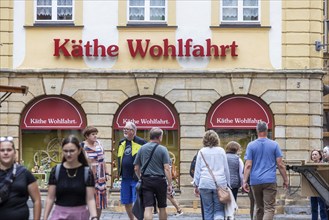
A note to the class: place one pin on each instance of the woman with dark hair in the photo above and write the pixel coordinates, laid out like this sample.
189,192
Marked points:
211,157
96,158
317,202
71,189
13,198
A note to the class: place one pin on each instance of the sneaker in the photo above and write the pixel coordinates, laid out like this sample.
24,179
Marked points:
179,213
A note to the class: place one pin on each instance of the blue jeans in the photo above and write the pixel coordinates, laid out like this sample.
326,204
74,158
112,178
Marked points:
315,203
212,208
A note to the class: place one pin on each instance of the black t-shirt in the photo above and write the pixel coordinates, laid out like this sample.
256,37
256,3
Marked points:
16,206
71,191
128,161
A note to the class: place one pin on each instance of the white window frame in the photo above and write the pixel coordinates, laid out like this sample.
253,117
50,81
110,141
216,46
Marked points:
147,17
54,7
240,13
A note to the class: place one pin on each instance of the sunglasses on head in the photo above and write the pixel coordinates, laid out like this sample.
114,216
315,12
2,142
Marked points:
2,139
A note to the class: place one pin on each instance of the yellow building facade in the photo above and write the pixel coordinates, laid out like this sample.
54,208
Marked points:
191,66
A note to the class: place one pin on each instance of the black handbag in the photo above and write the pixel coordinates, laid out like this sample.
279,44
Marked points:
138,207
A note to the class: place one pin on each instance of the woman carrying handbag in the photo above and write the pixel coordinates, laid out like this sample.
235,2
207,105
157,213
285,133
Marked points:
215,159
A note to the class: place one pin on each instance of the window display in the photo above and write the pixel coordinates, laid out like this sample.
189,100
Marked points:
41,150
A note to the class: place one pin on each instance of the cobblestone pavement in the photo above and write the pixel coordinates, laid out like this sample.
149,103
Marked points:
112,215
123,216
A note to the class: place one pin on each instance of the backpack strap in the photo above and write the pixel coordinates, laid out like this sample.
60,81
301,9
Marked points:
58,167
86,172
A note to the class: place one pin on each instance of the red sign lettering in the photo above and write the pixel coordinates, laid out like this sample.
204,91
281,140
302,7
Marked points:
70,48
140,47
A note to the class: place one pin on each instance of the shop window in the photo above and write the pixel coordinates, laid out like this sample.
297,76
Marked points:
54,10
233,11
42,150
242,136
45,122
154,11
169,140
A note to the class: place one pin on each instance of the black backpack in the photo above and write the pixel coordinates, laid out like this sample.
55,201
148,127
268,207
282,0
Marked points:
192,166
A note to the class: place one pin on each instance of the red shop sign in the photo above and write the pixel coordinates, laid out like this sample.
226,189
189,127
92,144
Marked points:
53,113
146,112
238,112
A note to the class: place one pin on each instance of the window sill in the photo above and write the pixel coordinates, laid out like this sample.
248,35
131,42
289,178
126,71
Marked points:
53,24
139,25
240,25
146,25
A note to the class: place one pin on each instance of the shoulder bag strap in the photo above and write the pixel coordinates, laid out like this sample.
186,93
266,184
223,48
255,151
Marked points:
210,171
10,177
20,169
147,163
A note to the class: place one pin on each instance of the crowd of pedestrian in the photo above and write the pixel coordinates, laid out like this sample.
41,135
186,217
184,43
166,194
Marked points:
77,187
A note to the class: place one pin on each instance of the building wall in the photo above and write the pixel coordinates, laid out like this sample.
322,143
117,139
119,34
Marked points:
302,25
293,96
257,46
6,33
277,63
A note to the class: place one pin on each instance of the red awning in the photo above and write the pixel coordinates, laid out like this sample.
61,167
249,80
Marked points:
238,112
53,113
147,112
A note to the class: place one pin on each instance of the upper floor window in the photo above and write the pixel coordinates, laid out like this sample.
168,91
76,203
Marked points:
54,10
147,10
240,11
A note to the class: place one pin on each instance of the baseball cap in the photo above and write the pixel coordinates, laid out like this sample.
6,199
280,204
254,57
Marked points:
261,126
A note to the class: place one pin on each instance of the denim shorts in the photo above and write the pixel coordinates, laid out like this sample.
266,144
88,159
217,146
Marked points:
128,191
